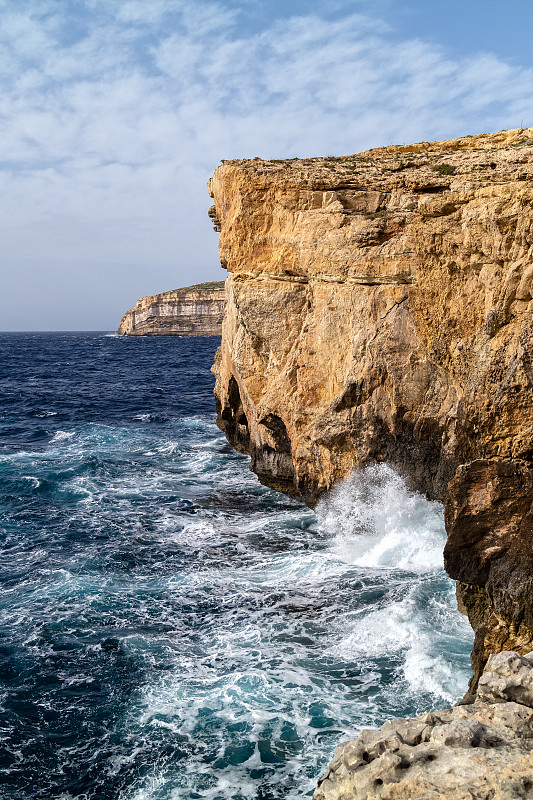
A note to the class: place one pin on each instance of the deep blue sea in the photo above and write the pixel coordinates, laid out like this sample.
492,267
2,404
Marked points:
169,628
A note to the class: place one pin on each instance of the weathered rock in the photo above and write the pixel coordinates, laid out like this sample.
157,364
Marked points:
490,552
479,751
193,311
507,677
379,308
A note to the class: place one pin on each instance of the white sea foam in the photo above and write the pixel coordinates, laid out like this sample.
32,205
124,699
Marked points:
61,436
378,523
35,482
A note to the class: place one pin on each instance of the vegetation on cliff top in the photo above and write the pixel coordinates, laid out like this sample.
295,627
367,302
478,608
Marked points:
209,286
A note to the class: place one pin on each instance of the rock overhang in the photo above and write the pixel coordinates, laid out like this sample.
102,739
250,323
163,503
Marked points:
379,308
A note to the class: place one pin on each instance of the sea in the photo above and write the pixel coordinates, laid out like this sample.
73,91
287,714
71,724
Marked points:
170,629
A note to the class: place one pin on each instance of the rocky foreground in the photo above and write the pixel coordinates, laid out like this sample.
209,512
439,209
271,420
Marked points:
193,311
479,751
379,308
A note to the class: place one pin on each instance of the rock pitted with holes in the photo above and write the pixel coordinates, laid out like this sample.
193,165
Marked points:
479,751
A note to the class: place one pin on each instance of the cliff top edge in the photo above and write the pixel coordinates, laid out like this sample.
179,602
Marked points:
208,286
515,137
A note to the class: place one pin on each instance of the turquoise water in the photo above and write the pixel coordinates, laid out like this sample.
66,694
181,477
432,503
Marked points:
169,628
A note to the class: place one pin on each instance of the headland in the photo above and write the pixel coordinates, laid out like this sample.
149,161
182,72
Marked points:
192,311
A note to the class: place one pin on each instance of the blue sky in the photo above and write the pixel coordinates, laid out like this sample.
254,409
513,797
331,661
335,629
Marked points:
114,113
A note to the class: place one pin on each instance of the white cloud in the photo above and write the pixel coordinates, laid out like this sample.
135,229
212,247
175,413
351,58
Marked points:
113,119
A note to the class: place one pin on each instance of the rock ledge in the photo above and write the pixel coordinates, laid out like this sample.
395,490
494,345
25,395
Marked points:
481,750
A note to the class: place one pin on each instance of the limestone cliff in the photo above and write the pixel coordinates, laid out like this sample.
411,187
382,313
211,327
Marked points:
379,308
193,311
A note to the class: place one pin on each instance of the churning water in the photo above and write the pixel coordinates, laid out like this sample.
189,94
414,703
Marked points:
170,629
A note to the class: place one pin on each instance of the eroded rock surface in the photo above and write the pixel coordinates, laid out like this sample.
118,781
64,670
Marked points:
194,311
480,751
379,308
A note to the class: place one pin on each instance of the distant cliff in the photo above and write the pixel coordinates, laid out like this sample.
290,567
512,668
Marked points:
379,308
193,311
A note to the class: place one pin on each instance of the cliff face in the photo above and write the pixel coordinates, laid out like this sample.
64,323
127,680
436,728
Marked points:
193,311
379,307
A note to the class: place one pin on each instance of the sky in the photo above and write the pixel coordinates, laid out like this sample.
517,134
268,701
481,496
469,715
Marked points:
114,114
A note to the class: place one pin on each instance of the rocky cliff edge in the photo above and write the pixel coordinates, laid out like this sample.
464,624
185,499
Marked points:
379,308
